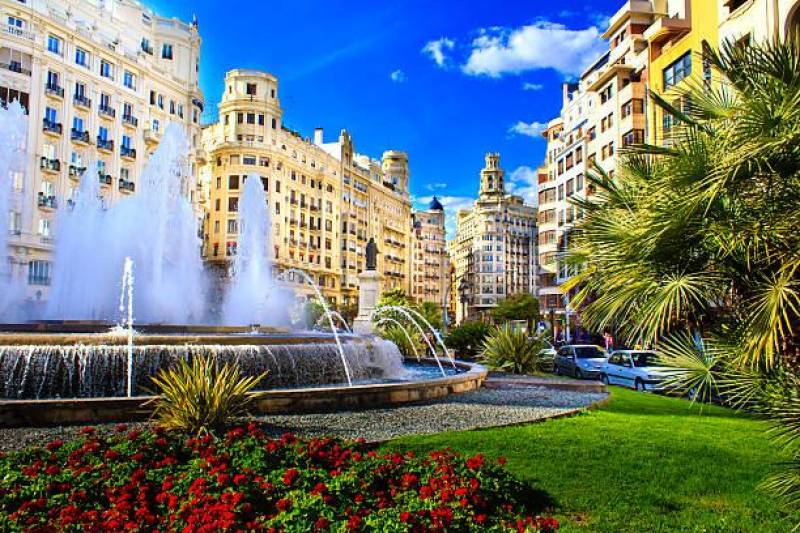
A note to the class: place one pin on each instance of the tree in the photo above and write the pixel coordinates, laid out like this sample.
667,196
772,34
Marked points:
695,245
466,340
395,297
513,351
432,313
518,307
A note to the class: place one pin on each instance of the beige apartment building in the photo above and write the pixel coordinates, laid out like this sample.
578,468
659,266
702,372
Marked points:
602,111
100,82
326,200
494,249
430,272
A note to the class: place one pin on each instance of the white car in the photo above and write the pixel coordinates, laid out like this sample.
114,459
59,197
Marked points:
637,369
584,361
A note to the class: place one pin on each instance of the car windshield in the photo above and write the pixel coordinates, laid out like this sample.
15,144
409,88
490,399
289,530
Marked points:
645,359
589,352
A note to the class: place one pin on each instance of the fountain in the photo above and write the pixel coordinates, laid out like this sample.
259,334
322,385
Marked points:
156,227
13,125
77,367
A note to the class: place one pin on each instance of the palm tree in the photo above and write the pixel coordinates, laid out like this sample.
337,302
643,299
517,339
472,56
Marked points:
695,245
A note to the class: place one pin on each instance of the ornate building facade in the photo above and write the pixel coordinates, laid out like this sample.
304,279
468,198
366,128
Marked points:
100,81
430,273
494,248
326,200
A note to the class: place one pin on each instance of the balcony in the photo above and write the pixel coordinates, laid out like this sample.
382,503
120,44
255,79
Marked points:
152,136
76,172
16,66
126,186
128,152
19,32
53,128
50,165
47,202
105,179
81,136
106,111
82,101
51,89
130,120
105,145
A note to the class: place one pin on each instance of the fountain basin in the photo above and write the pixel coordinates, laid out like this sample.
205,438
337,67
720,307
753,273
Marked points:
470,376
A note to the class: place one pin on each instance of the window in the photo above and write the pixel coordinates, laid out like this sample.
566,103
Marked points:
54,44
106,69
51,116
678,70
249,160
166,51
126,141
39,272
102,134
77,124
129,80
251,89
233,182
82,57
260,120
633,137
172,107
16,23
156,125
160,101
45,228
251,118
147,48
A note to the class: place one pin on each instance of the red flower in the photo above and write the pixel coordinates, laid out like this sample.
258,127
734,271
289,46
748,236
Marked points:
284,504
405,516
290,476
321,523
474,463
52,470
480,519
354,522
54,445
239,479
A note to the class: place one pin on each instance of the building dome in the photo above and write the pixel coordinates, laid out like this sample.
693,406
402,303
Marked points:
435,205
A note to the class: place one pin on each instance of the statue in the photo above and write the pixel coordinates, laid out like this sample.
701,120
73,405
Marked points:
372,255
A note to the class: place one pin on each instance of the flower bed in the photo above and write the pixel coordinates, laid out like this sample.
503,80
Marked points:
154,480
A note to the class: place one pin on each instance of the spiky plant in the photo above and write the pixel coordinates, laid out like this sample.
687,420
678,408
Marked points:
694,245
201,397
509,350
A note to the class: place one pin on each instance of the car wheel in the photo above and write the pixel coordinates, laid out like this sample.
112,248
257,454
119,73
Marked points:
640,386
604,379
578,373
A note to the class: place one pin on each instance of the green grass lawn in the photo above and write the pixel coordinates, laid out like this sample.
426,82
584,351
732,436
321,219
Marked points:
642,463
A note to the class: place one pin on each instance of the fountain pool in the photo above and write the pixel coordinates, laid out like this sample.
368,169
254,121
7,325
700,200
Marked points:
77,372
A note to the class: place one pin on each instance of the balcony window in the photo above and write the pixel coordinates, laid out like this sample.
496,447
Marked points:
129,80
679,70
147,48
39,272
166,51
81,57
106,70
54,44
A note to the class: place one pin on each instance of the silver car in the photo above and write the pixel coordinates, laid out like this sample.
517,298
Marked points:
580,360
637,369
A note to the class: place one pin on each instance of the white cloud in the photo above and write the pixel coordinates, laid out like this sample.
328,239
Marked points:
524,181
398,76
452,205
532,129
527,86
542,45
437,50
435,186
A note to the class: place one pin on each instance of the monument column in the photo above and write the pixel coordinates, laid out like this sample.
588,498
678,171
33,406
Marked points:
369,283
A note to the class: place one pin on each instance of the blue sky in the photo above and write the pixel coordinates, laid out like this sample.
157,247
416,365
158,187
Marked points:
445,81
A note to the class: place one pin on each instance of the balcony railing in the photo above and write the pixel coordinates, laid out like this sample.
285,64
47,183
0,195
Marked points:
48,202
16,66
76,171
54,90
80,136
52,127
127,151
19,32
82,101
125,185
107,111
130,120
105,144
50,165
105,179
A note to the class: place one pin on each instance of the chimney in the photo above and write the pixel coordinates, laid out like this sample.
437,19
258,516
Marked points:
318,136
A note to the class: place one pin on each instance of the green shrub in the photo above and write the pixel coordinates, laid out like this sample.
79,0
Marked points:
201,397
466,340
513,351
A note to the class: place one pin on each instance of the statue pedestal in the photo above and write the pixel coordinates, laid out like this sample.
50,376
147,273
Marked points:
369,290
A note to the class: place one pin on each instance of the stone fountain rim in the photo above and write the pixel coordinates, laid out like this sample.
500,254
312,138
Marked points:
36,413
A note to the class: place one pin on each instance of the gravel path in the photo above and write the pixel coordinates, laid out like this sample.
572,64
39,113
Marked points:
479,409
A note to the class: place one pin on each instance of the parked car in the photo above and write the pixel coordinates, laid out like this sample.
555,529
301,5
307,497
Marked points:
637,369
580,360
